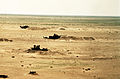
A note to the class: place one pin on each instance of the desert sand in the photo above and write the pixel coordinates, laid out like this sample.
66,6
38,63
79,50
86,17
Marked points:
71,57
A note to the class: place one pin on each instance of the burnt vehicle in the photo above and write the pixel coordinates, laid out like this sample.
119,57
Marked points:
36,48
24,27
55,36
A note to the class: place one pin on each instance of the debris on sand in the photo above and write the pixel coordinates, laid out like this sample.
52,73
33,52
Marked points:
51,66
3,76
36,48
24,27
13,56
55,36
22,65
33,73
77,56
4,39
87,69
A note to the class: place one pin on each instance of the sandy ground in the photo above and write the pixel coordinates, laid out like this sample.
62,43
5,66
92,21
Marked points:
67,58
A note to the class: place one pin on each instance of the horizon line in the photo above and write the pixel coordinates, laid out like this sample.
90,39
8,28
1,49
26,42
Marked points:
57,15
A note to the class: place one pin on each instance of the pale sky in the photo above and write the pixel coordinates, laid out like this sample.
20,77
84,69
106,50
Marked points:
61,7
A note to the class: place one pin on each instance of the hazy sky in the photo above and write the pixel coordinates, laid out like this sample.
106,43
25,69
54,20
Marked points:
61,7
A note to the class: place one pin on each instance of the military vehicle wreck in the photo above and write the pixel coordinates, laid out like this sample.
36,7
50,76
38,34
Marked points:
33,73
55,36
36,48
24,27
4,76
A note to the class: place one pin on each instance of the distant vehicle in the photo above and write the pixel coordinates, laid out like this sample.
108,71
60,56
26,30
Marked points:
24,27
36,48
55,36
4,76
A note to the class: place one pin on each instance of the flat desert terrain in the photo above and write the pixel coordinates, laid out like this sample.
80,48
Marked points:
89,47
